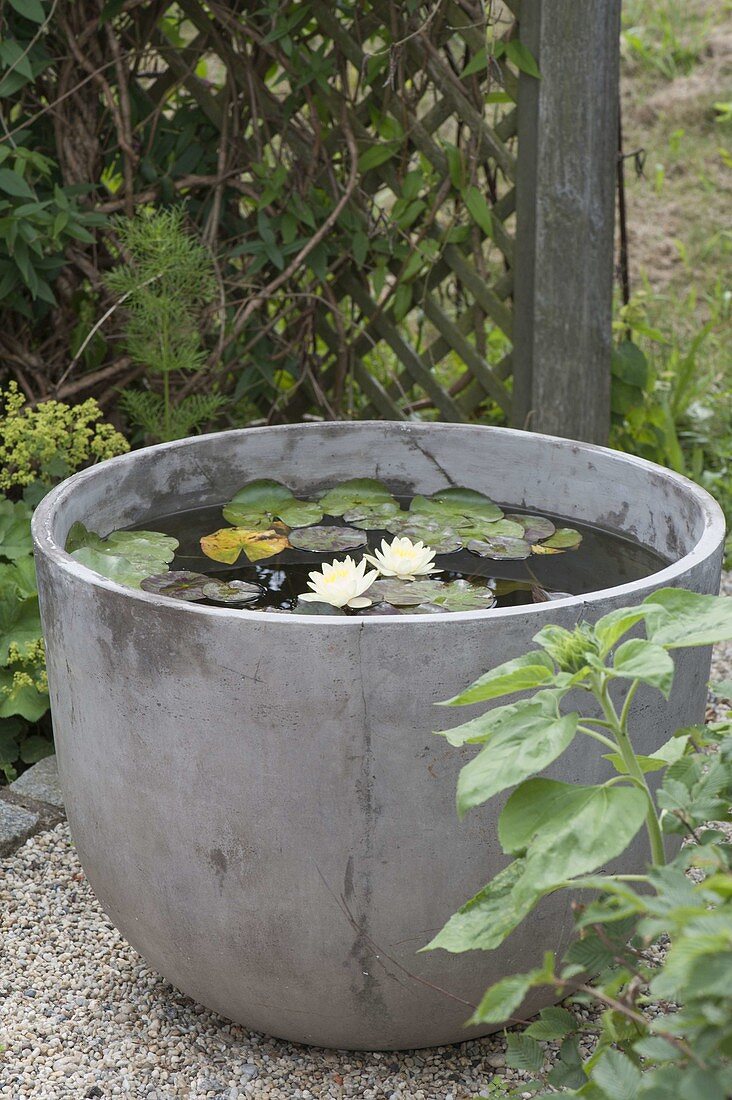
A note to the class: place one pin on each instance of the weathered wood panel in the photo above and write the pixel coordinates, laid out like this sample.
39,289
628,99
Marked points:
567,123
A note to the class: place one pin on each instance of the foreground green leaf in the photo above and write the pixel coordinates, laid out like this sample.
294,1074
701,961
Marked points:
567,830
533,670
676,618
523,746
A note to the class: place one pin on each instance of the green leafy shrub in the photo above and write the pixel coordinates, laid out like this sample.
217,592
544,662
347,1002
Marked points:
561,834
38,447
671,399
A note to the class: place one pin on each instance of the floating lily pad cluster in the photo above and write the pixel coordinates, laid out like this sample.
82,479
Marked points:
267,518
140,559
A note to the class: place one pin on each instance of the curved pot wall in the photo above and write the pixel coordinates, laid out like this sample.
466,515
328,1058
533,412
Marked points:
257,799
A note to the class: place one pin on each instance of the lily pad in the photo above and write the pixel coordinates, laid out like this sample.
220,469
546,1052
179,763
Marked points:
461,595
227,544
356,491
565,538
323,539
382,608
315,608
179,584
130,555
430,596
260,502
500,548
233,593
503,528
404,593
427,529
534,527
113,566
373,517
469,503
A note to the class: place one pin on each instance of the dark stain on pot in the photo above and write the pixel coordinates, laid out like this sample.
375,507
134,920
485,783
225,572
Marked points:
220,864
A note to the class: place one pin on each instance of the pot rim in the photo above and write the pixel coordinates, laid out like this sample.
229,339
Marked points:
707,544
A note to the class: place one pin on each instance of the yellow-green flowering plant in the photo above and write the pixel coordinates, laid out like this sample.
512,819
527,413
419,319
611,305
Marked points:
38,447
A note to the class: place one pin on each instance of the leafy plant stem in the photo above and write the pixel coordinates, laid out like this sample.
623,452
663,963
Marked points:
620,730
597,737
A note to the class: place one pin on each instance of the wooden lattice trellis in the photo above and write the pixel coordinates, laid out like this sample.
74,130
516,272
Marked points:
407,220
477,272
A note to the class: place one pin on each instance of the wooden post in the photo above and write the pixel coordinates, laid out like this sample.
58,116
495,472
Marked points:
567,127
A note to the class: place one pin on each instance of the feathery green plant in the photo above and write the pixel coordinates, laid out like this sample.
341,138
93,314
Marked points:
165,282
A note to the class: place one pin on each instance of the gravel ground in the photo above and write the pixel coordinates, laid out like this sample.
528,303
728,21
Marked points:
83,1017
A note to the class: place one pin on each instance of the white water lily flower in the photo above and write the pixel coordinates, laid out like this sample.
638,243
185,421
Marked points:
404,559
341,584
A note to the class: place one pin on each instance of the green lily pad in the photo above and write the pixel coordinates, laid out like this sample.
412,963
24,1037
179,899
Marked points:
469,503
321,540
565,538
373,517
260,502
503,528
462,595
127,557
427,529
263,495
179,584
250,521
404,593
142,546
354,492
114,566
500,548
534,527
430,596
232,593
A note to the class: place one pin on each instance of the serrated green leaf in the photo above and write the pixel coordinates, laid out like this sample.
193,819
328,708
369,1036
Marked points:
553,1023
480,729
523,746
611,627
676,618
533,670
485,921
499,1003
638,659
524,1053
568,830
617,1076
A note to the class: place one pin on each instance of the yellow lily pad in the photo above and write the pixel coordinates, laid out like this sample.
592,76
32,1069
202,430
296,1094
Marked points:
228,543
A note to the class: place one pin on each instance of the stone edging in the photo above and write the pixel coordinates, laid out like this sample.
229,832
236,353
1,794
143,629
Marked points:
30,805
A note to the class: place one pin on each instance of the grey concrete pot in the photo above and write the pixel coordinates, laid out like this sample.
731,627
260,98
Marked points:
258,799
